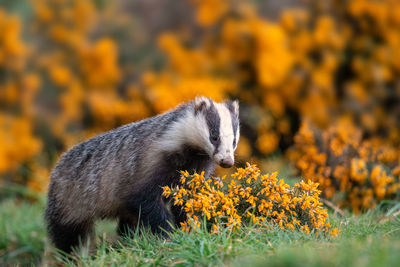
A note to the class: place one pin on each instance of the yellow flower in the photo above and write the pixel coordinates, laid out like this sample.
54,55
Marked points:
166,191
243,199
334,232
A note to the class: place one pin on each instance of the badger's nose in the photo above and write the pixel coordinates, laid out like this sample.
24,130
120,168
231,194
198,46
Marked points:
226,163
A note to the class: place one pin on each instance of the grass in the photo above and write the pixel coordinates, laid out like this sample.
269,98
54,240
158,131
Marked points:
22,235
368,240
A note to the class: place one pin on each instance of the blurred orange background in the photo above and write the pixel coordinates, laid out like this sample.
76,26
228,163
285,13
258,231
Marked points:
318,81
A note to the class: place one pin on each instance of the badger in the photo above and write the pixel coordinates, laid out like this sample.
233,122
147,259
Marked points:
120,174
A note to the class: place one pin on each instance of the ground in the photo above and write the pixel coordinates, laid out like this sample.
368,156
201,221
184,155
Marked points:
371,239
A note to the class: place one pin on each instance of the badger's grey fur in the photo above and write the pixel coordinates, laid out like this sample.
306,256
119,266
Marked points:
120,173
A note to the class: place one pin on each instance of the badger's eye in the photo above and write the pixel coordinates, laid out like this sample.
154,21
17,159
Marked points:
215,138
234,143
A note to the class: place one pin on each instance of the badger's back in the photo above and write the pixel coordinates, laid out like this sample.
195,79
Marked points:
93,177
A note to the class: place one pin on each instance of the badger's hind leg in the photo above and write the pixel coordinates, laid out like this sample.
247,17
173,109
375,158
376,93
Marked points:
68,236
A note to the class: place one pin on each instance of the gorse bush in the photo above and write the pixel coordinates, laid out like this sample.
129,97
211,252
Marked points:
249,197
363,172
61,86
69,69
18,86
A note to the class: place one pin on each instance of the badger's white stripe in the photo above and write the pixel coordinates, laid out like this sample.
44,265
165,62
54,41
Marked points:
237,136
190,129
225,149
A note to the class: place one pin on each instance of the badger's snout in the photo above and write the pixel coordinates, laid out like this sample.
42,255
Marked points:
225,160
226,163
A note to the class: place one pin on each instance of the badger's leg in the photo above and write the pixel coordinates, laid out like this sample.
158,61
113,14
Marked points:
179,214
156,216
65,235
151,211
68,236
127,224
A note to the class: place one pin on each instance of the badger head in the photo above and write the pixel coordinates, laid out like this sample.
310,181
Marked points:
219,128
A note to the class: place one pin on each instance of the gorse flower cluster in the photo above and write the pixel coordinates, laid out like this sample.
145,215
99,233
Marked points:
364,172
249,197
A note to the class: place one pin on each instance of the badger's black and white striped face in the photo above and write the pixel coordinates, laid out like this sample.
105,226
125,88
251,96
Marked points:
220,128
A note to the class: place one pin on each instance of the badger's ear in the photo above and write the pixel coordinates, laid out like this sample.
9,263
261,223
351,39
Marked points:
233,106
201,103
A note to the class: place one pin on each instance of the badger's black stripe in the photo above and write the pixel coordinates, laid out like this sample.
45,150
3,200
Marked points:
214,124
234,119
